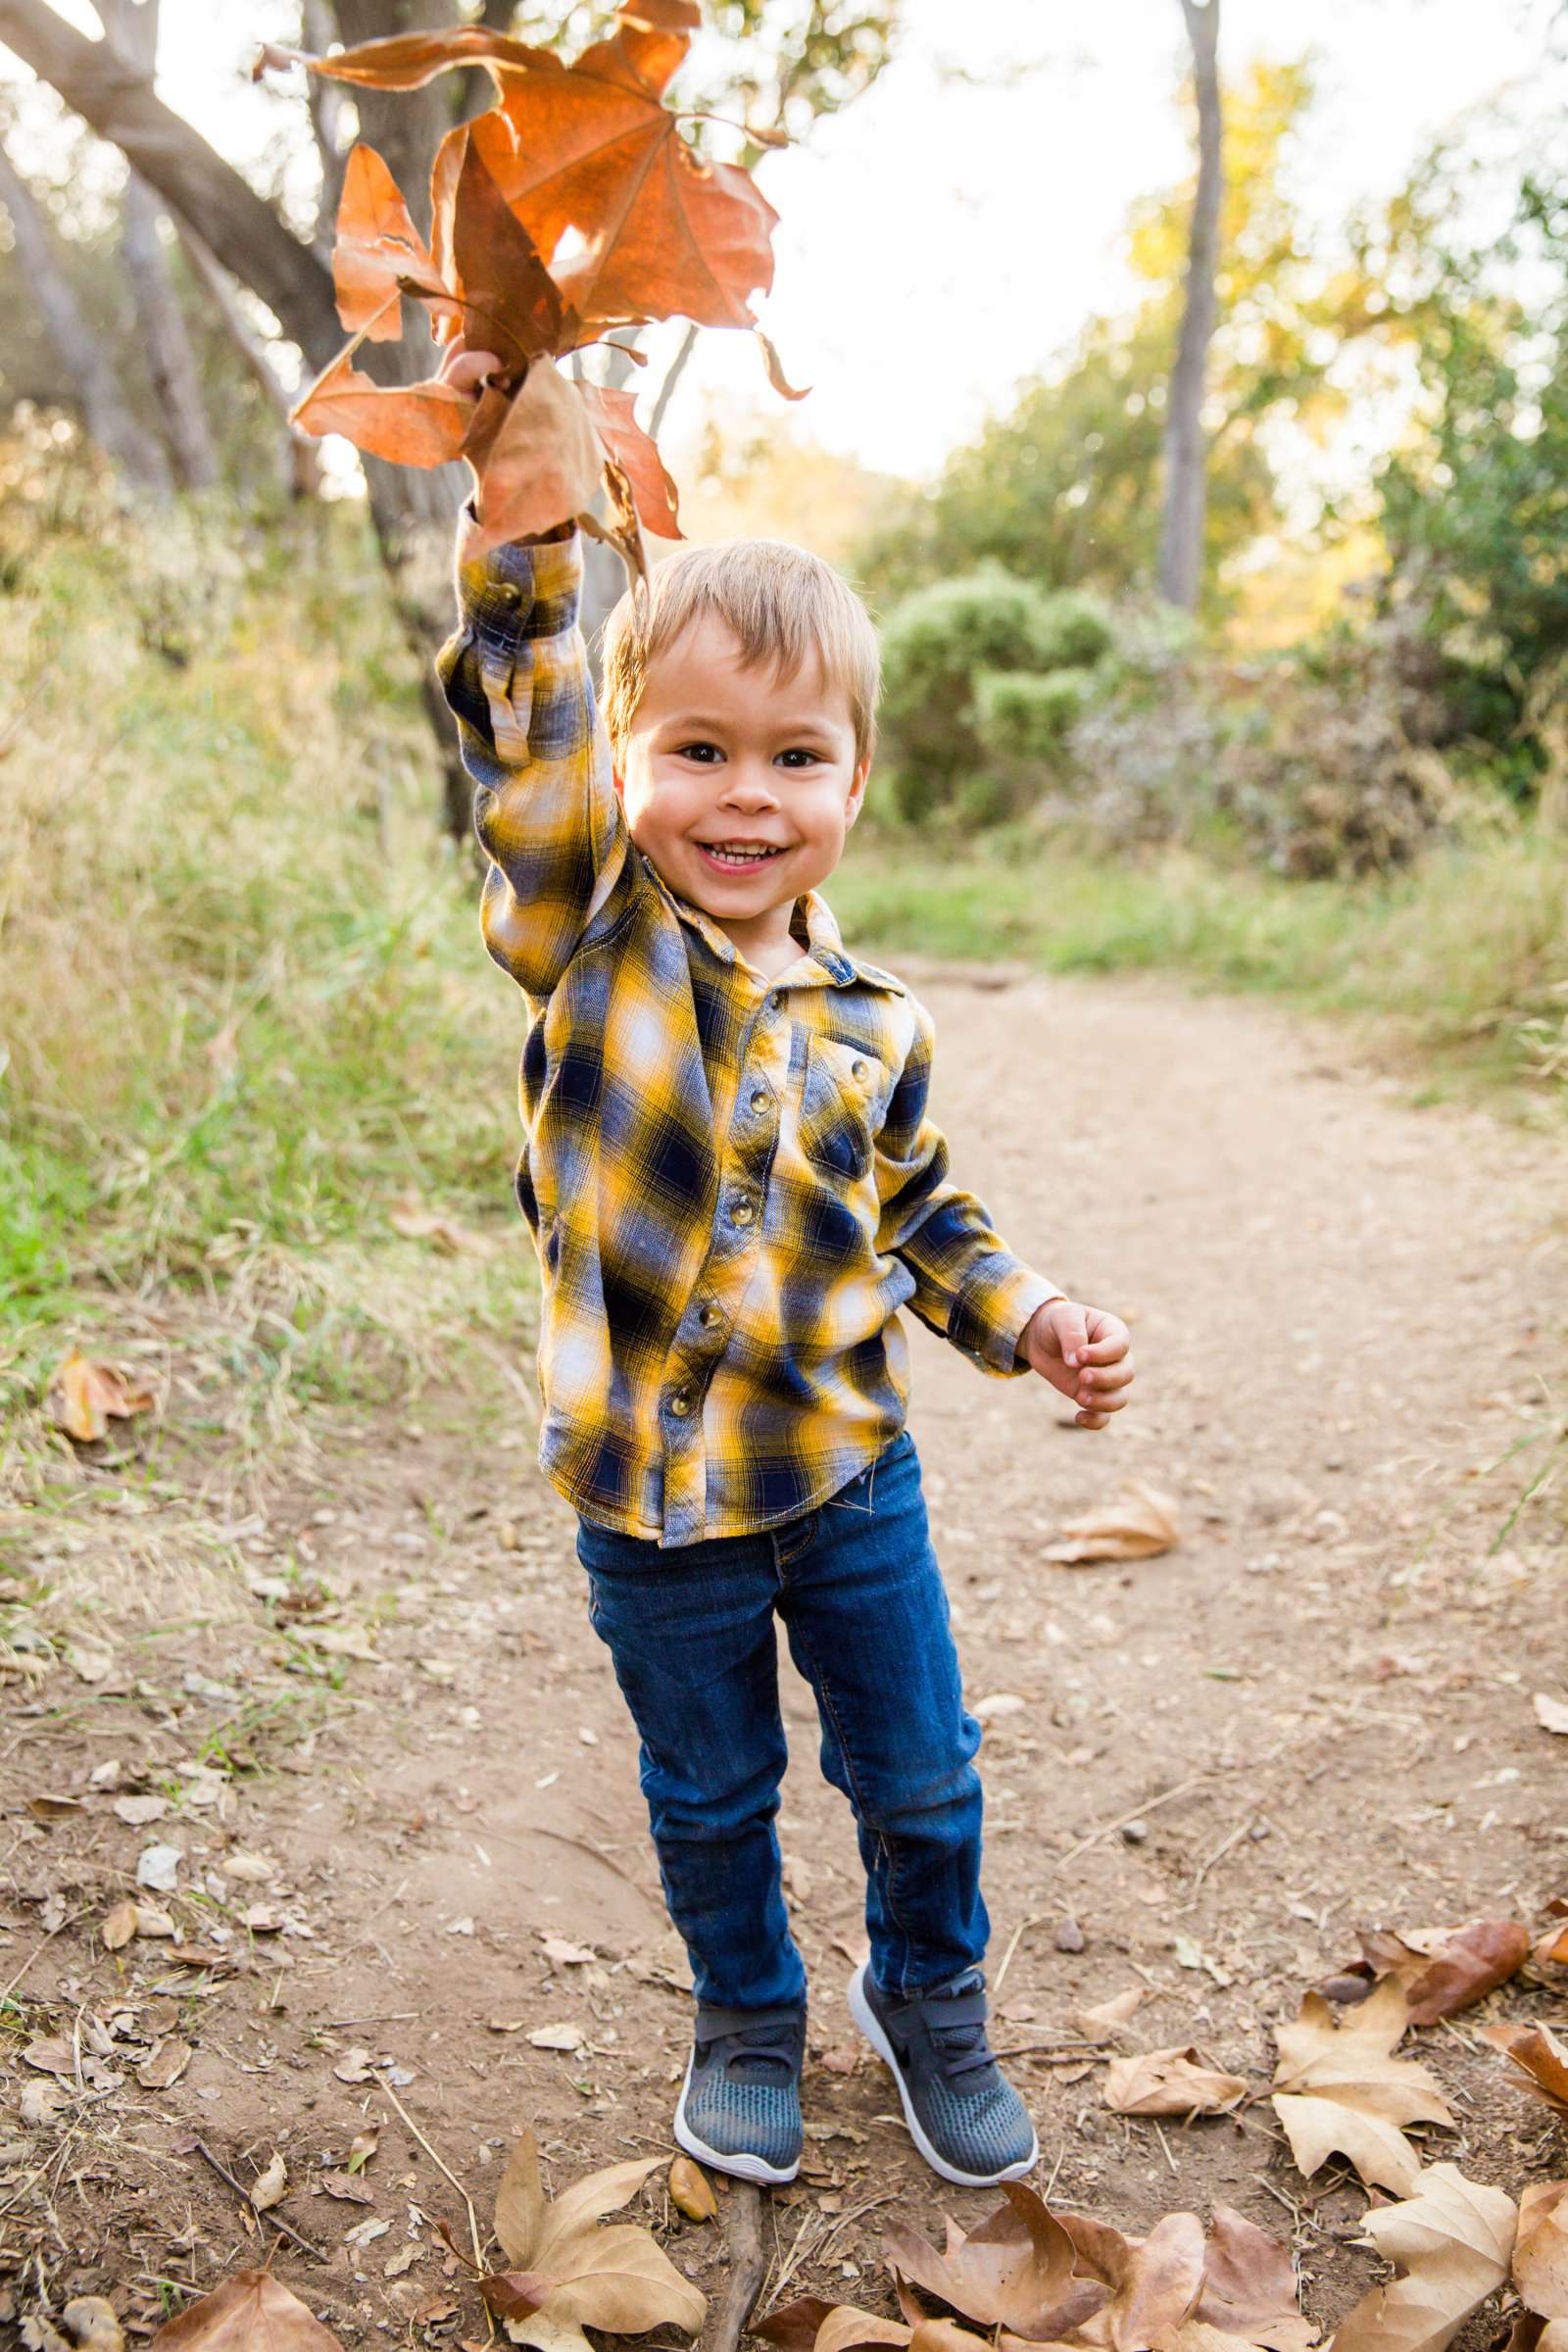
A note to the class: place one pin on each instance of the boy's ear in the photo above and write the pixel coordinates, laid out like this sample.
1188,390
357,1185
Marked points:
858,788
619,782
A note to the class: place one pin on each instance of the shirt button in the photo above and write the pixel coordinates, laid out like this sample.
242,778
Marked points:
760,1099
509,592
710,1316
680,1404
858,1068
742,1213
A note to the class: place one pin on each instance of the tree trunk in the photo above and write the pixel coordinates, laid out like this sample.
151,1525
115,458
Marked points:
1181,546
298,462
107,416
132,26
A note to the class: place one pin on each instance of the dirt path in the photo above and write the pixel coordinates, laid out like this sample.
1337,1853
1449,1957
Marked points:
1314,1715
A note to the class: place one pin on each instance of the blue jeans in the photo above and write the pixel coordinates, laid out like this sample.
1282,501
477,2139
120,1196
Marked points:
690,1633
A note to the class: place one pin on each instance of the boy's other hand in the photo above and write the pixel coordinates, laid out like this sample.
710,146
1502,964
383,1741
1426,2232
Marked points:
1084,1352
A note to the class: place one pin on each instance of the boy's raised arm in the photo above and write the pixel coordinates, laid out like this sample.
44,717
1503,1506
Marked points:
968,1286
515,674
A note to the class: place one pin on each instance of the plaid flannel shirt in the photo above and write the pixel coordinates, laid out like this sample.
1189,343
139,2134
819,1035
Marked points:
732,1182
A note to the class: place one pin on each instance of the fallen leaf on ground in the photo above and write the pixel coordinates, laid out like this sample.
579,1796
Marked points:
582,2273
1015,2270
1249,2290
362,2146
348,2187
419,1224
1550,1713
996,1704
562,1954
1442,1970
1540,2249
1539,2056
1451,2242
120,1926
138,1811
690,2190
1107,2015
1139,1523
1155,2282
163,2068
271,2187
1340,2089
558,2038
158,1867
84,1396
1171,2082
248,2312
811,2325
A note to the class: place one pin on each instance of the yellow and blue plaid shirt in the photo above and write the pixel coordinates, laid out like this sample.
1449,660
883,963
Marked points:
732,1182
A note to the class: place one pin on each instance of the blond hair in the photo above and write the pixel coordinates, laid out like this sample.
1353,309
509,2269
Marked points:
784,606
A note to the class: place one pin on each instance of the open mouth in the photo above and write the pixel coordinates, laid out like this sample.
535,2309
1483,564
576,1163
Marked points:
739,857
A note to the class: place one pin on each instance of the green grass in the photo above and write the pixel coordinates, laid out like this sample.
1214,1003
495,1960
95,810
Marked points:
244,1010
1466,953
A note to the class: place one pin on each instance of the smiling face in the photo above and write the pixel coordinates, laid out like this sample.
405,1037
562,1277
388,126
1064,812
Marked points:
739,783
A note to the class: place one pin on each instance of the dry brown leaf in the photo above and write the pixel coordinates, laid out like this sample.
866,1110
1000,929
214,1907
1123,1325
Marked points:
120,1926
1172,2081
1015,2270
558,2038
811,2325
166,2063
1539,2056
616,2277
271,2185
1107,2015
1451,2242
1139,1523
1340,2089
84,1396
252,2312
1442,1970
1249,2289
1540,2249
1155,2282
1550,1713
419,1224
691,2192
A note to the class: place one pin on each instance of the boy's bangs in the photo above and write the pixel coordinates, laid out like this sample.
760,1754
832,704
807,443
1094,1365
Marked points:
786,609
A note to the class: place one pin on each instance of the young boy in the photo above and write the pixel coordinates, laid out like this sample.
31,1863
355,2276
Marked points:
733,1186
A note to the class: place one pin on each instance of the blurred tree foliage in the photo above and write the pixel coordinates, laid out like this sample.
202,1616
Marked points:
1474,501
1065,487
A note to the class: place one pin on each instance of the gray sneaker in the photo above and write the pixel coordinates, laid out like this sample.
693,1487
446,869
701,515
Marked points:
740,2105
966,2118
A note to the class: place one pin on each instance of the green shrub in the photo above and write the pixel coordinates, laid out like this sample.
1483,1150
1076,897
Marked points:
1023,716
969,713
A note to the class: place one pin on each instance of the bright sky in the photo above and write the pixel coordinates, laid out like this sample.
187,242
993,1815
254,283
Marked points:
941,240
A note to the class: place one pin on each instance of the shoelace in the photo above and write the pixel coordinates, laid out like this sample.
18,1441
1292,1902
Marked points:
960,2049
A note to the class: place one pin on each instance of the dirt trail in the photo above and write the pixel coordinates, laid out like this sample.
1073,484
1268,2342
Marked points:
1315,1714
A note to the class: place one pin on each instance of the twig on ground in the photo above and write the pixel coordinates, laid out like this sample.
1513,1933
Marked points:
11,1983
261,2213
745,2262
1007,1958
385,2087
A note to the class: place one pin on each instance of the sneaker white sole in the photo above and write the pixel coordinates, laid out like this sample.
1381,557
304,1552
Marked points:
742,2168
866,2017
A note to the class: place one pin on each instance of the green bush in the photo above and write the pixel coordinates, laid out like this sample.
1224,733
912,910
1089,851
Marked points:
972,712
1023,716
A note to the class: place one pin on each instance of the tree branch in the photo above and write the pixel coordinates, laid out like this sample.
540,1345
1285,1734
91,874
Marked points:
241,227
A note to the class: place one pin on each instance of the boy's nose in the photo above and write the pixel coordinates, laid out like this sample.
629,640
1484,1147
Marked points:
747,787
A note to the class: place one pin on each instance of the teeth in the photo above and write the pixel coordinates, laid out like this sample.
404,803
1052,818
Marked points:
731,853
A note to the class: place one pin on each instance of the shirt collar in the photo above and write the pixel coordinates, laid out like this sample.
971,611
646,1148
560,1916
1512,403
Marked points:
824,946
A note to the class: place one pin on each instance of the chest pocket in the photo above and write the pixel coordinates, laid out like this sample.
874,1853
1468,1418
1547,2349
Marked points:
843,1097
